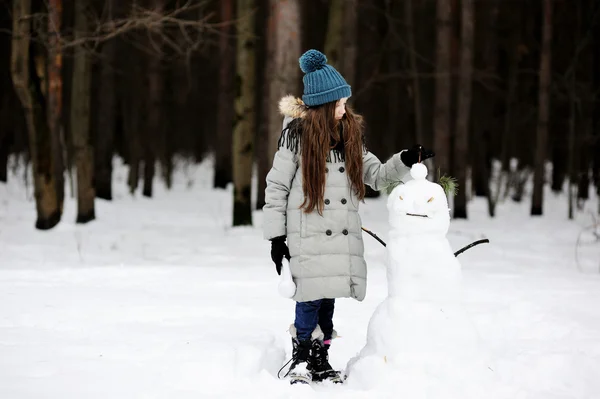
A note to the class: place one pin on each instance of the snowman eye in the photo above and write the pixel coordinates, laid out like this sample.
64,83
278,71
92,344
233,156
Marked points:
401,198
430,199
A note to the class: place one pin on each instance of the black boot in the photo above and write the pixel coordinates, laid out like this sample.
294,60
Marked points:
319,363
299,371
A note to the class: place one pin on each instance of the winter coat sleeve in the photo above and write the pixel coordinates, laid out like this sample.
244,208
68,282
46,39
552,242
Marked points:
279,182
379,175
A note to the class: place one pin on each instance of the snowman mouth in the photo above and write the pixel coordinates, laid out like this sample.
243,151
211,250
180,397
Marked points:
416,214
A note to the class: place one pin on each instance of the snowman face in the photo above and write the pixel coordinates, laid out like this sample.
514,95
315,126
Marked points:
419,206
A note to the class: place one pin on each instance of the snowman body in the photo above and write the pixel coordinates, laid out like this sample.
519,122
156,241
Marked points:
419,337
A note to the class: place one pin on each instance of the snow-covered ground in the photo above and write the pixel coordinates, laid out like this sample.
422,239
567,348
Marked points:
162,298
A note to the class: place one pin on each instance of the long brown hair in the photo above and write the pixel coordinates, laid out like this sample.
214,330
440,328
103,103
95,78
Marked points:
320,134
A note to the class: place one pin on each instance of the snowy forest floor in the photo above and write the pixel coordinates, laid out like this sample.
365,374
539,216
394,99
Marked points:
162,298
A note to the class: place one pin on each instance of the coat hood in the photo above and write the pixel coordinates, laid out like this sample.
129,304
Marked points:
292,107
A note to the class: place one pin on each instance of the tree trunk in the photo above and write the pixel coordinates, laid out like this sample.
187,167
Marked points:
349,41
107,123
596,113
6,111
282,74
262,100
55,95
27,87
443,86
368,91
508,126
543,111
154,125
3,160
486,136
223,174
132,106
461,144
80,119
335,33
243,137
340,40
341,37
571,145
414,70
6,130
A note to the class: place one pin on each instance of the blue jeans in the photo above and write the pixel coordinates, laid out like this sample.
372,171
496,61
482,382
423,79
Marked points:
309,314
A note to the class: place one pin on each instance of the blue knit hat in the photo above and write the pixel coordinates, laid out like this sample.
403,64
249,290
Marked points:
322,83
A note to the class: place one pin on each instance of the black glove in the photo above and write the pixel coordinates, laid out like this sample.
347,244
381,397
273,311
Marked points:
411,156
278,251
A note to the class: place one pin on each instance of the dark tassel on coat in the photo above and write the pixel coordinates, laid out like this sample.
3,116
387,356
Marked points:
290,136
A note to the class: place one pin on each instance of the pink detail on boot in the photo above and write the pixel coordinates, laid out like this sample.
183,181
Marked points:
328,342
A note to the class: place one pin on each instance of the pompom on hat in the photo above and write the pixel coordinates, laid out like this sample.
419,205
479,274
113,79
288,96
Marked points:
322,82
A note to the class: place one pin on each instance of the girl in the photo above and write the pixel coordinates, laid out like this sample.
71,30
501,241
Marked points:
312,196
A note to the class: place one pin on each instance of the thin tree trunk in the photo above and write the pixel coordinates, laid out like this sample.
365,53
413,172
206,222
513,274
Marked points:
3,159
264,61
132,105
154,128
55,95
6,119
349,41
243,137
394,85
461,144
596,107
104,148
6,128
486,135
414,70
571,144
223,173
506,174
27,87
335,32
443,86
340,40
543,111
80,119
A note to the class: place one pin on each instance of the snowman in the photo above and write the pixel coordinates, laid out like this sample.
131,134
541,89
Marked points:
420,339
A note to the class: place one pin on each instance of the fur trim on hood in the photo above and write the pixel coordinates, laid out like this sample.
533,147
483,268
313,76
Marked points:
292,107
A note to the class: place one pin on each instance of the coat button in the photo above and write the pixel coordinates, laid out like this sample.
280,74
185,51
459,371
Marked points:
328,232
345,232
326,170
342,169
327,202
344,201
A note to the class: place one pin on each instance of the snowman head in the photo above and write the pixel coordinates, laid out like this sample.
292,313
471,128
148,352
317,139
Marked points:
419,206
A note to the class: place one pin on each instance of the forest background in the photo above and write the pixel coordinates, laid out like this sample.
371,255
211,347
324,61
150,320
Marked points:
505,92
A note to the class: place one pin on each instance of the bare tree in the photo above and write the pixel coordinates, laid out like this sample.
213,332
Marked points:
443,84
6,118
106,114
414,70
28,88
54,97
243,133
226,97
461,145
340,40
155,88
543,110
80,119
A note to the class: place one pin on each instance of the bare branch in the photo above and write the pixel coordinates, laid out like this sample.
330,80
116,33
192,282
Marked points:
180,29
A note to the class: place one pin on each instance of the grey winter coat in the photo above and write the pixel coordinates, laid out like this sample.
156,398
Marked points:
326,251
